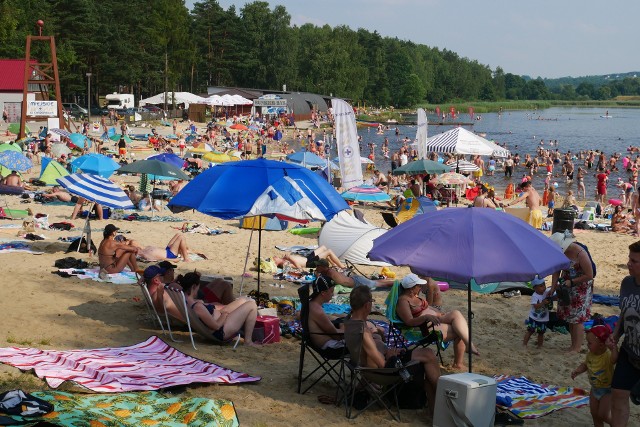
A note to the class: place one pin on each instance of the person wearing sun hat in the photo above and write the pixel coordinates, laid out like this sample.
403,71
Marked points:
599,364
415,311
539,312
574,287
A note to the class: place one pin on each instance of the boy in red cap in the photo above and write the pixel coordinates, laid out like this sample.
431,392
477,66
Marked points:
603,354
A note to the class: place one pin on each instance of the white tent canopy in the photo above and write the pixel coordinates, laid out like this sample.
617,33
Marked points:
185,98
460,141
350,239
216,100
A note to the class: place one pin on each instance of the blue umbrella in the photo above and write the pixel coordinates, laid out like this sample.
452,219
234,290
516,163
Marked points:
307,159
79,140
96,189
170,158
366,193
260,188
15,161
277,136
97,164
470,245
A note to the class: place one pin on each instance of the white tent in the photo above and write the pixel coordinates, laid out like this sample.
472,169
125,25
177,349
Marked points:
241,100
216,100
350,239
185,98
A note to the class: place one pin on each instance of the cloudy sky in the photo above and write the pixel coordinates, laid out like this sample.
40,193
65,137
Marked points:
546,38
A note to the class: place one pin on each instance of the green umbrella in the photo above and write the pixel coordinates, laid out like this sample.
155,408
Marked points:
10,146
119,137
418,167
15,128
155,168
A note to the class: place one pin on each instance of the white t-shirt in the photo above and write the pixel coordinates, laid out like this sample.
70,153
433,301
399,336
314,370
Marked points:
540,314
403,159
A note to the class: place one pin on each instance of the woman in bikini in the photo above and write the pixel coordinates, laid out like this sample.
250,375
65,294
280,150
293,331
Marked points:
114,256
415,311
225,321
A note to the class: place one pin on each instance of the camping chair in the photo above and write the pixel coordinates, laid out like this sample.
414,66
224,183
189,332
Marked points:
153,313
378,383
389,218
328,360
409,336
193,321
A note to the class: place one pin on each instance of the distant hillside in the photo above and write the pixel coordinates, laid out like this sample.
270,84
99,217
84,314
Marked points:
597,81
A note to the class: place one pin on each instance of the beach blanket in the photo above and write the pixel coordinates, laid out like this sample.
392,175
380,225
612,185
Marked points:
133,409
149,365
122,278
156,218
606,299
18,247
527,399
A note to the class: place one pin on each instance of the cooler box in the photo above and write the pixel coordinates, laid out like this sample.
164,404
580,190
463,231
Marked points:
267,329
474,395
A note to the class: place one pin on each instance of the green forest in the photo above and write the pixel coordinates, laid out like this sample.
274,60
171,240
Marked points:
136,46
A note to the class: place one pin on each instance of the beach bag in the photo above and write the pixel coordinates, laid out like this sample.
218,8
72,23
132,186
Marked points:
266,265
593,264
267,330
82,243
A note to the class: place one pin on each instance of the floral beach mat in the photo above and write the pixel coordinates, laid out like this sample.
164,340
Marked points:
133,409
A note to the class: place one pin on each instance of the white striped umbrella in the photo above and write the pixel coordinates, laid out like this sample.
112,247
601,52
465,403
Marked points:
60,132
96,189
460,141
463,165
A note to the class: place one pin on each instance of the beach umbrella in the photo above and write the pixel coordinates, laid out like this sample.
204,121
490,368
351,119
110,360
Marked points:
277,136
10,146
451,178
170,158
96,189
260,188
15,161
60,132
202,147
472,246
79,140
307,159
155,168
366,193
97,164
463,165
118,137
238,126
460,141
50,171
419,167
15,128
58,149
215,157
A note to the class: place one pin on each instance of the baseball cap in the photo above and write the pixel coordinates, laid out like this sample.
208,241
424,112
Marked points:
109,229
537,281
321,284
601,332
166,265
152,271
411,280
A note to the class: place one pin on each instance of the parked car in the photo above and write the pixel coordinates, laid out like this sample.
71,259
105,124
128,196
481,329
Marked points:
99,111
74,110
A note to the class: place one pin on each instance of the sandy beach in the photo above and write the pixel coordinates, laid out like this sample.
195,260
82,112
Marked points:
44,310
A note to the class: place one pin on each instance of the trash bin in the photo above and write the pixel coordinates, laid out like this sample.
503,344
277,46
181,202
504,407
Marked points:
562,220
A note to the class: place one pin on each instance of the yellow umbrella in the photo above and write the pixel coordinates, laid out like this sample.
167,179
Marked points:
214,157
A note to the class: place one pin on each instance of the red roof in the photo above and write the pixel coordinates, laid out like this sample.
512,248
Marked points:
11,75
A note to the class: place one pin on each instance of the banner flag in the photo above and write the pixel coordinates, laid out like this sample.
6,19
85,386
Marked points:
421,134
347,144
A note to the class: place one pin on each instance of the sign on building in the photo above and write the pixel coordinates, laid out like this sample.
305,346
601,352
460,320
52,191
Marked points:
42,108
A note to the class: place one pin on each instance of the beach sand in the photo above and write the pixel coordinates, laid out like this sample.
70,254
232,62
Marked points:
44,310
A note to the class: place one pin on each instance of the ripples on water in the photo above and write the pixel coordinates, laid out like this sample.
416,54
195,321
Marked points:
575,129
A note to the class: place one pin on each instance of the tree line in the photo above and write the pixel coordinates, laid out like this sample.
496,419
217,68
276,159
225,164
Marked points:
143,46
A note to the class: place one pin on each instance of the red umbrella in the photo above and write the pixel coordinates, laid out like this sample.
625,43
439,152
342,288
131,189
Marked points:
238,126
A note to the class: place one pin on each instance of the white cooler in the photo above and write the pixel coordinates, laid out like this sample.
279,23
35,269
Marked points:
473,395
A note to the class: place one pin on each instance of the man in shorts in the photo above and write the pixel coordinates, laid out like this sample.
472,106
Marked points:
298,261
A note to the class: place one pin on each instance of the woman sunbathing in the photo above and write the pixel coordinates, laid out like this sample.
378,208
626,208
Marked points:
224,321
415,311
619,221
298,261
177,246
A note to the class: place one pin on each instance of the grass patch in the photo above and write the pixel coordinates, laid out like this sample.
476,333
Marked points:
14,340
23,381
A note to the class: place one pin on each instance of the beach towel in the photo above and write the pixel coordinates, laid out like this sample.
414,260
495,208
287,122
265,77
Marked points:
122,278
17,246
157,218
527,399
149,365
606,299
133,409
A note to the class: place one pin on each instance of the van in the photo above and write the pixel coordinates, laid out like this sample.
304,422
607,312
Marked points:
74,109
119,101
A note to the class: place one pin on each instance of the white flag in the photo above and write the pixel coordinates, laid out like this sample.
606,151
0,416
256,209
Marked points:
347,144
421,134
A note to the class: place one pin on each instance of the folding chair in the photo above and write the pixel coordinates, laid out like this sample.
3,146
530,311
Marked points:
193,321
379,383
389,218
150,307
409,336
328,360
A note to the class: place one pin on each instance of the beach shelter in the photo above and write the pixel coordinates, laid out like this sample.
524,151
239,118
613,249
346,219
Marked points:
51,170
256,188
10,146
350,239
452,244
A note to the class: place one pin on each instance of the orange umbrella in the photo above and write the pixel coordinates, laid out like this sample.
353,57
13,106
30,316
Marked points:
238,126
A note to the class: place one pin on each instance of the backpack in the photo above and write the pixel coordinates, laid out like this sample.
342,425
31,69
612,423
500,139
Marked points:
593,264
82,243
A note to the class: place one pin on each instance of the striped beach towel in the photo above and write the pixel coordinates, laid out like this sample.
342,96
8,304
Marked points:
530,400
149,365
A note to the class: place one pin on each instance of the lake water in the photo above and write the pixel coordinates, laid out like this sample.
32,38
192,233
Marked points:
575,129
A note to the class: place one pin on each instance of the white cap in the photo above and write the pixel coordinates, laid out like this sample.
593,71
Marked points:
411,280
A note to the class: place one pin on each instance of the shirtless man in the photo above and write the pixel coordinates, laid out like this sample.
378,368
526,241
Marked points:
114,256
482,201
61,195
13,179
324,334
298,261
532,201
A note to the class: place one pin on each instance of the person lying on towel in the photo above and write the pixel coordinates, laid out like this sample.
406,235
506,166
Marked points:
322,267
291,259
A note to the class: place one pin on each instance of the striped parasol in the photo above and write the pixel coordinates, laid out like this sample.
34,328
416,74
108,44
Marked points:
452,178
96,189
60,132
460,141
463,165
366,193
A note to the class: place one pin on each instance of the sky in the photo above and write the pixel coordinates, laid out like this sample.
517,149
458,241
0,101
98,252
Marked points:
539,38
